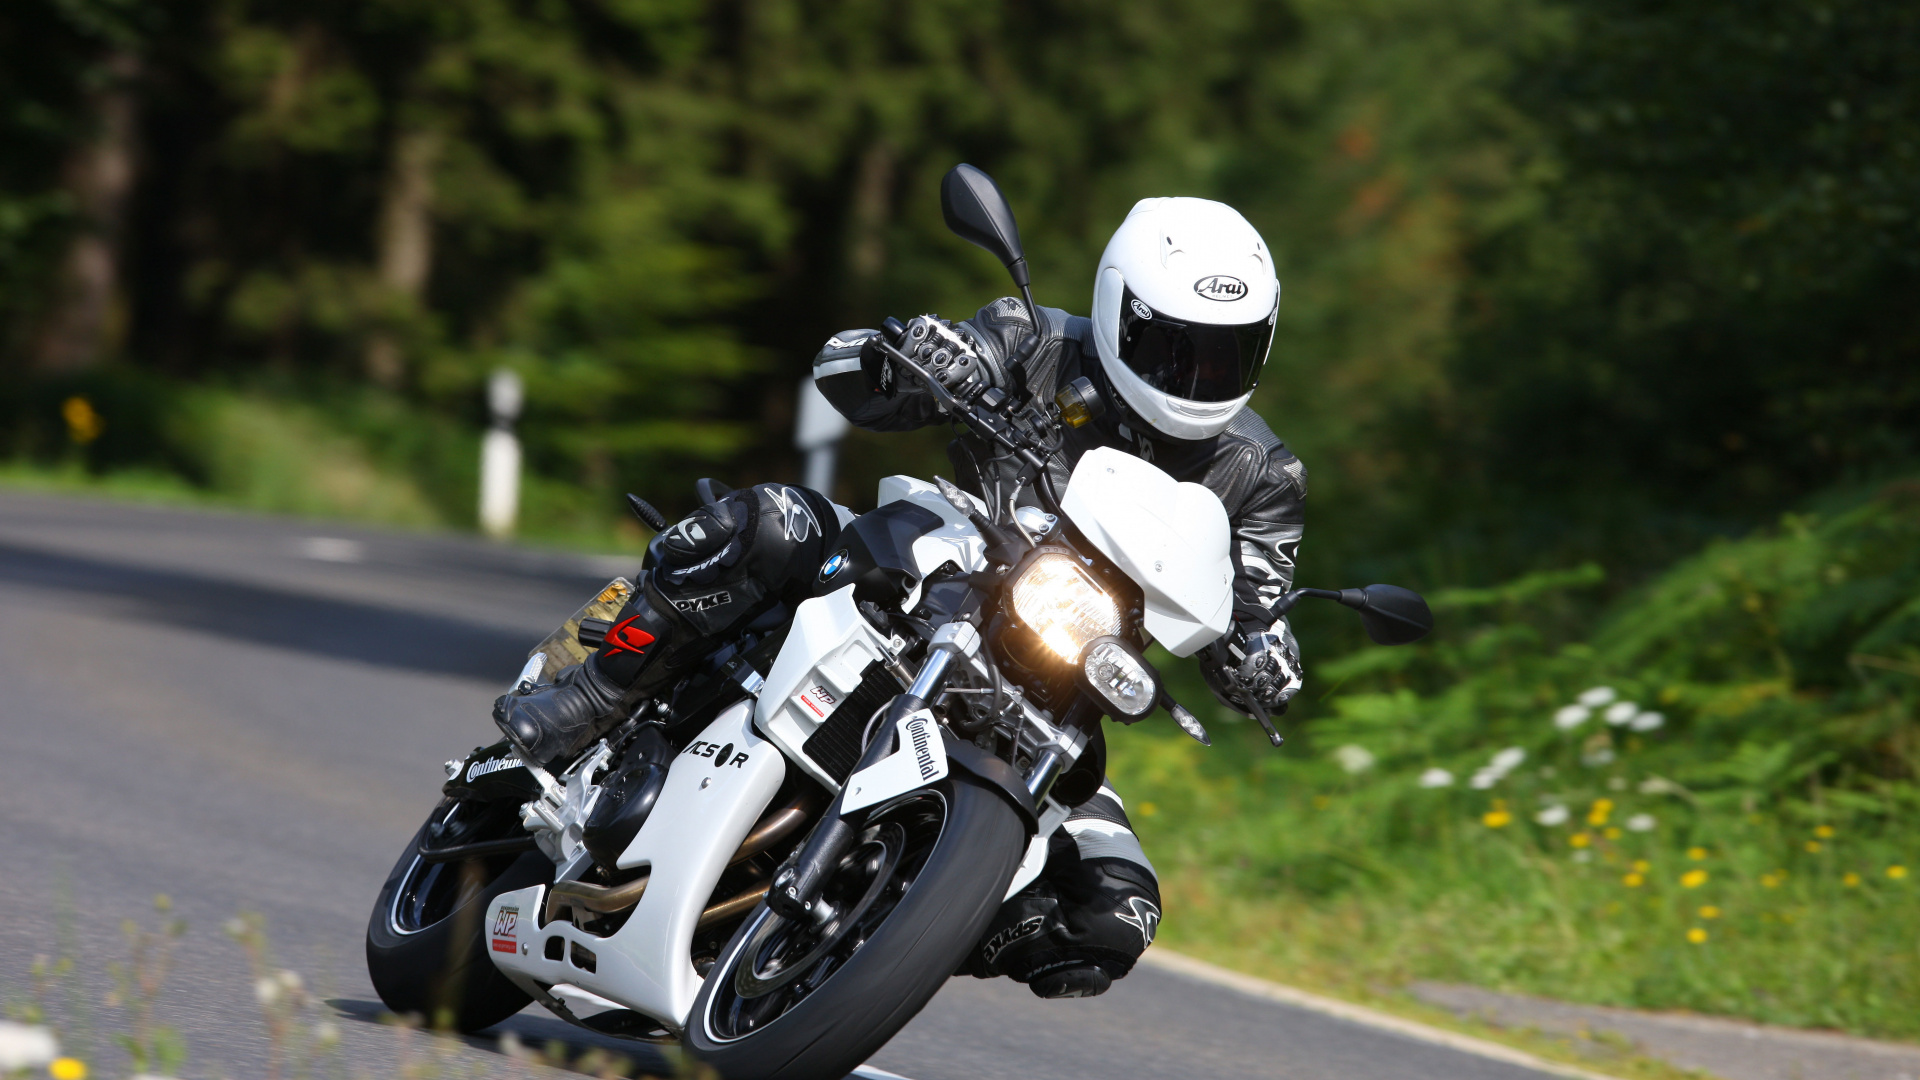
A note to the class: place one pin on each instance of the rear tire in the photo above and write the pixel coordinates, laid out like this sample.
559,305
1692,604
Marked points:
426,945
866,997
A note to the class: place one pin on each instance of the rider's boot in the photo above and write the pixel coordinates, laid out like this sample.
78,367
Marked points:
728,562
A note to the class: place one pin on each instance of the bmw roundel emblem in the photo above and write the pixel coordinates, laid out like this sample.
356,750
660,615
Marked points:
834,564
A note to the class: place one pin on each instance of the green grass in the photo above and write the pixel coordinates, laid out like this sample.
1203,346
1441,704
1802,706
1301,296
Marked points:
1786,667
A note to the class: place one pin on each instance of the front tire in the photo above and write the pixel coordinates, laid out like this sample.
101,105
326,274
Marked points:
821,1007
426,947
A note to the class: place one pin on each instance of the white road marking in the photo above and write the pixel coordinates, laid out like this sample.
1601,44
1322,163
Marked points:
333,549
868,1072
1359,1014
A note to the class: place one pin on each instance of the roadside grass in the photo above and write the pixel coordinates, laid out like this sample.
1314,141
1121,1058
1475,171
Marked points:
1497,808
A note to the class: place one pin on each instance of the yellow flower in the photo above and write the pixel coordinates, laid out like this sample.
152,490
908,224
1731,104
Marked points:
1697,936
1148,809
1769,881
1601,808
1709,912
1633,881
1851,880
1579,839
1641,866
1613,832
1896,872
1813,847
1696,853
1496,819
1824,832
83,425
1321,802
67,1068
1693,879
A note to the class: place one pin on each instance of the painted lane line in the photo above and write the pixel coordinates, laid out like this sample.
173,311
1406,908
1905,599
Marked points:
1175,963
869,1072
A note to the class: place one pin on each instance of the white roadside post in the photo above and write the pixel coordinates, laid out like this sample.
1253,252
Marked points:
500,457
817,430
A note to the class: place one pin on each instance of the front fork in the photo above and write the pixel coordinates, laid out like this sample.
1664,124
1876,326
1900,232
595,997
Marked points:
796,888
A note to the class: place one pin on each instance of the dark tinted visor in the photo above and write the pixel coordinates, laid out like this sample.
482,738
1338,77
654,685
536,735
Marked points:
1195,361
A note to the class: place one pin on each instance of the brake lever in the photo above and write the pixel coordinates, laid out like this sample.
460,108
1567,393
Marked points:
1246,694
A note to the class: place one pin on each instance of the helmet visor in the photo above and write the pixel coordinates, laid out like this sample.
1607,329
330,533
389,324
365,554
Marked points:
1195,361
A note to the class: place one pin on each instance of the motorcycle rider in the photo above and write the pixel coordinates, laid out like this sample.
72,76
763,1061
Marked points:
1183,312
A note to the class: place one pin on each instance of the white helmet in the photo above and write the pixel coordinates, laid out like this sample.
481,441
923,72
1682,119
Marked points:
1183,309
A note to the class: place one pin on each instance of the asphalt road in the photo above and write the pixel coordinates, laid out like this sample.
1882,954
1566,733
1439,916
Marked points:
249,715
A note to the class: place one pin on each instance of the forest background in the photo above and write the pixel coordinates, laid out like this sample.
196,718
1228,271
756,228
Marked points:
1597,326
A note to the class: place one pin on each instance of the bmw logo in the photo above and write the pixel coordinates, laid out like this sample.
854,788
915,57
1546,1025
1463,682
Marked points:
834,564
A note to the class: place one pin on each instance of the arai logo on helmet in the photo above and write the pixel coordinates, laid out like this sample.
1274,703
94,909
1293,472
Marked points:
834,564
1142,310
1220,287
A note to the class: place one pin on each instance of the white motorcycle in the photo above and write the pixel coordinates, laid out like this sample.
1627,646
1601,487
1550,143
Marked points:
779,861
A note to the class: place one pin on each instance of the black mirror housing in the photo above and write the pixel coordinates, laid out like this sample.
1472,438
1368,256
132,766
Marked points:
1391,614
978,213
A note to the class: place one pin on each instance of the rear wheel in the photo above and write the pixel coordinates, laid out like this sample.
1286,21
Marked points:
426,947
788,1001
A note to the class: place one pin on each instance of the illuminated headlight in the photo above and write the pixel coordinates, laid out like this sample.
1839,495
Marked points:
1121,679
1060,602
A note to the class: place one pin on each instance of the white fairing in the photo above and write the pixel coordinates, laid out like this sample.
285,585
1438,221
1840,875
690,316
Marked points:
1171,538
824,657
717,788
956,540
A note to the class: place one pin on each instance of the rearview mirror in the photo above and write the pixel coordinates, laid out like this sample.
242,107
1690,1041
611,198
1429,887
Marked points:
1391,614
977,213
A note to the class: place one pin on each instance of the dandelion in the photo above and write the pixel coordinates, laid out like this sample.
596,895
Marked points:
66,1068
1851,880
1614,833
1696,853
1634,880
1569,717
25,1046
1598,814
1620,712
1697,936
1148,809
1813,847
1824,832
1596,697
1552,815
1497,818
1436,778
1354,759
1693,879
1641,823
1641,866
1580,839
1647,721
1769,881
1709,912
1897,872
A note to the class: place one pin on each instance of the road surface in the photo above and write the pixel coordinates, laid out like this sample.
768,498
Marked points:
250,714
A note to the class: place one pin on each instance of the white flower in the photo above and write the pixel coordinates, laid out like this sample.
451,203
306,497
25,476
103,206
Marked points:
1552,815
1595,758
1617,783
1571,716
1596,697
1641,823
266,990
1507,759
1583,856
1647,721
1484,779
1436,777
25,1046
1620,712
1658,785
326,1033
1354,759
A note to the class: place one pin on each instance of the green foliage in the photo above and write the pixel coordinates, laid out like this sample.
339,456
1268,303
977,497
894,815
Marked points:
1757,702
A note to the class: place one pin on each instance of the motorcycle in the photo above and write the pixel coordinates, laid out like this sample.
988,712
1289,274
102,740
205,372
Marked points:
779,860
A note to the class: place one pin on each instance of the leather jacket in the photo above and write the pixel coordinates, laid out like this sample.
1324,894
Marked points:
1261,483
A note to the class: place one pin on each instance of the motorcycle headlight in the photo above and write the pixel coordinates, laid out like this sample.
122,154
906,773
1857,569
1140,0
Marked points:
1120,678
1061,603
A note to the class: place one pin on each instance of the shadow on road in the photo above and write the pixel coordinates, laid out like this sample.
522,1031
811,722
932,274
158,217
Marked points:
387,637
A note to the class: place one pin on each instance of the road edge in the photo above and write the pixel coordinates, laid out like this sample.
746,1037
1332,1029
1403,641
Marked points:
1267,990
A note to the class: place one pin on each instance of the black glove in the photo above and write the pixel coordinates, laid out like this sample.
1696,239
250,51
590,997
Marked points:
942,352
1271,671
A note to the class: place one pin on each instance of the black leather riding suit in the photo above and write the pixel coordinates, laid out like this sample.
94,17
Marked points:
1095,907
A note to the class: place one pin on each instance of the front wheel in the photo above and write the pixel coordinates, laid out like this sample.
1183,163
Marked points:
426,947
804,1002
